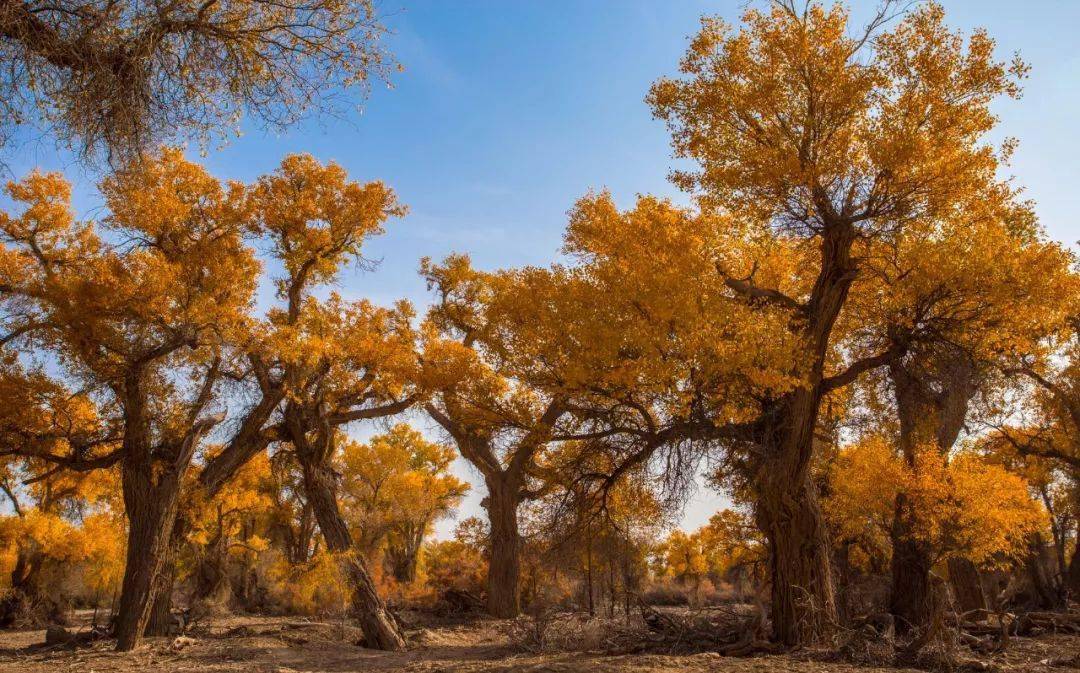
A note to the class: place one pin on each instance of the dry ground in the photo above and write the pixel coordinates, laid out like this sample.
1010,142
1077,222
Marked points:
287,645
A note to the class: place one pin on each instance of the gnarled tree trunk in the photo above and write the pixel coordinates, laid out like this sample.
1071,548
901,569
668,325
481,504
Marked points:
504,564
404,557
966,585
161,621
1048,591
803,596
27,599
787,511
151,512
910,600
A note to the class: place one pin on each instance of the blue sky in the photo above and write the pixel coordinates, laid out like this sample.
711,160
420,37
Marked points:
509,111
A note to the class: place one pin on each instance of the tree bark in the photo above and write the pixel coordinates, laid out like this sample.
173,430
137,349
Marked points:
380,628
787,511
26,598
966,585
161,621
151,476
910,600
1047,591
803,596
1072,577
151,512
504,566
405,556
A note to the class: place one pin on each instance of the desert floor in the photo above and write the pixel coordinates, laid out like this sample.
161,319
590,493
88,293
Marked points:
285,645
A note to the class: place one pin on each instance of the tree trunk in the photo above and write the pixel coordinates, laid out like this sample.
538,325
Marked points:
841,563
803,598
212,586
926,418
151,513
910,600
787,512
380,628
161,621
504,566
27,600
1072,578
966,585
1044,581
404,557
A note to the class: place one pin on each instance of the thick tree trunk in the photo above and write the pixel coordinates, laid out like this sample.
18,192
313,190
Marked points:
966,585
910,601
151,513
803,596
212,586
787,510
504,565
1039,563
27,600
404,558
161,621
380,628
405,567
25,570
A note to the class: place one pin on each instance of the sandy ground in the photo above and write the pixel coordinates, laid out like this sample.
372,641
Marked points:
288,645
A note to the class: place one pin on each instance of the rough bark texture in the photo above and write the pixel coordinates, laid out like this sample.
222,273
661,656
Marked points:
151,476
405,554
161,621
803,596
27,601
910,600
151,513
212,586
1048,592
966,585
404,566
504,569
506,480
379,626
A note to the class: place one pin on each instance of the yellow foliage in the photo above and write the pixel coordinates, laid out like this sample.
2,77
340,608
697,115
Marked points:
312,588
397,485
454,564
966,506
